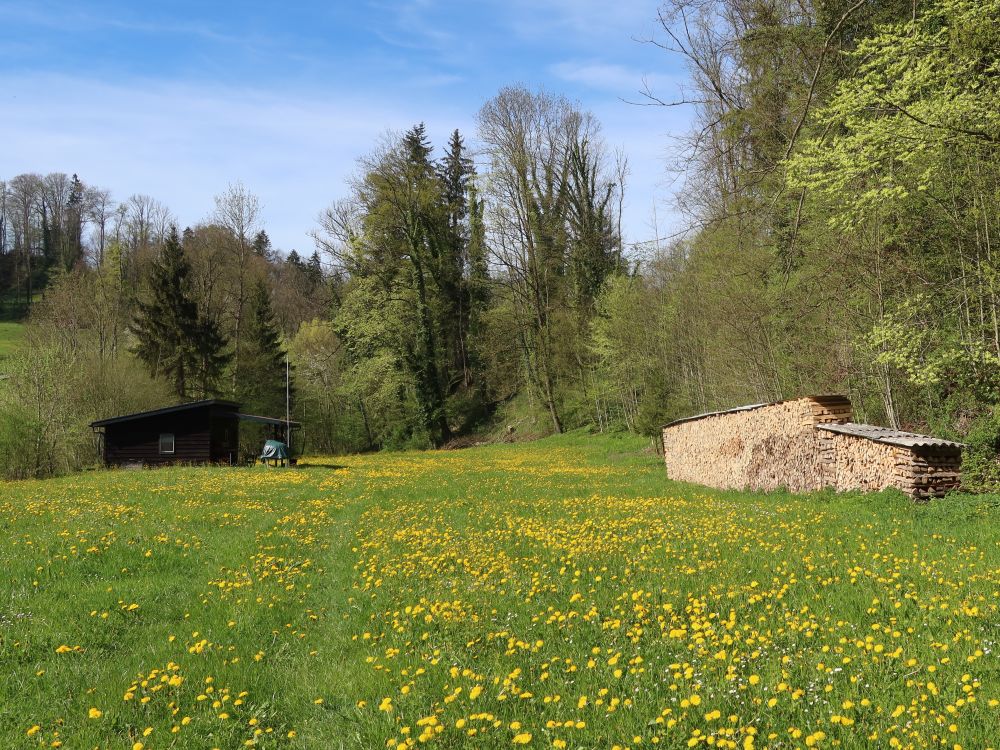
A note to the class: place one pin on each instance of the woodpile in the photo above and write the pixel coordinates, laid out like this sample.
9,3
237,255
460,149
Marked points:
867,457
856,463
807,444
930,473
761,447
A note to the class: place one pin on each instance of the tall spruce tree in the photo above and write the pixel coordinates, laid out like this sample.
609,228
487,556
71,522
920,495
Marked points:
262,386
173,340
455,172
212,355
73,251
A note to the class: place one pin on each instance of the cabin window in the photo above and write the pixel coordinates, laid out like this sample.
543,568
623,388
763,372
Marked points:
166,442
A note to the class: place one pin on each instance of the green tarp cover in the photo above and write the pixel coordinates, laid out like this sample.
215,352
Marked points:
274,449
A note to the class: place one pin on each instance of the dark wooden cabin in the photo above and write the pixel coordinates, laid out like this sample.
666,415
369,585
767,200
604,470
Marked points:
198,432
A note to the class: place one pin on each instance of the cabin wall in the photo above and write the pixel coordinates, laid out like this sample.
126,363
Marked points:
199,437
225,438
766,448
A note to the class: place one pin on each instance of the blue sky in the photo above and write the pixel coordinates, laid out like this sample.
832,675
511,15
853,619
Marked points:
178,99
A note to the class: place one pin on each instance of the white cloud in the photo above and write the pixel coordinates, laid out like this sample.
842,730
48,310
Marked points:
618,79
183,143
581,19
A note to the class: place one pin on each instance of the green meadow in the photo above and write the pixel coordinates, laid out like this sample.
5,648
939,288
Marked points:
558,594
11,336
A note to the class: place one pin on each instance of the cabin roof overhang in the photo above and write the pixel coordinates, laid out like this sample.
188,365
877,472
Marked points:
224,403
267,420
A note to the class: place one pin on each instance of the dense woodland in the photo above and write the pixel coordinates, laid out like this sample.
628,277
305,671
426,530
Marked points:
841,199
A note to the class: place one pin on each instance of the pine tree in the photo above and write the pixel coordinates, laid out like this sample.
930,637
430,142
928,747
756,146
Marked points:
418,147
262,245
295,260
455,173
212,356
262,389
174,341
167,324
427,254
314,270
73,252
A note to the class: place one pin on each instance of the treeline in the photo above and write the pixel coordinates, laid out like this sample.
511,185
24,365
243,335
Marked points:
125,313
843,182
840,188
438,304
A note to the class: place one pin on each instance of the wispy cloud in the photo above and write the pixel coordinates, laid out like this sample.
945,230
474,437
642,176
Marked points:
420,26
580,20
286,98
182,143
73,18
611,77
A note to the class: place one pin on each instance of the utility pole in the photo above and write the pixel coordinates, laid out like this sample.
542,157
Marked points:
288,421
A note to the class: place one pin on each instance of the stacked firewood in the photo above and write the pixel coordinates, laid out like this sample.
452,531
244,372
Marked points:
859,463
781,445
863,463
826,409
766,447
931,472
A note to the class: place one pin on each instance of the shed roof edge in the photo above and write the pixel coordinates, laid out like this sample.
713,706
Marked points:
750,407
167,410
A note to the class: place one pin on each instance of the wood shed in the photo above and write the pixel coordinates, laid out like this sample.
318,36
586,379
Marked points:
866,457
206,431
806,444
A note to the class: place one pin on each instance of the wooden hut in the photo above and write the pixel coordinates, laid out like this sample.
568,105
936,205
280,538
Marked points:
806,444
206,431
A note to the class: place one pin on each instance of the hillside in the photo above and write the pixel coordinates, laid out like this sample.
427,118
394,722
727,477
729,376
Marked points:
556,594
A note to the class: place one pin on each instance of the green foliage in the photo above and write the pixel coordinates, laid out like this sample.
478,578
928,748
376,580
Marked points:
57,385
414,294
981,457
173,340
846,229
11,335
334,415
18,446
262,365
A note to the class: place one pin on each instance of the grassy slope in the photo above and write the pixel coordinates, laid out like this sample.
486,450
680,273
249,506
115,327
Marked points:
10,338
563,590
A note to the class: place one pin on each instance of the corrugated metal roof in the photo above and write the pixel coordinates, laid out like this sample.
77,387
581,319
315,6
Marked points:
748,407
167,410
889,436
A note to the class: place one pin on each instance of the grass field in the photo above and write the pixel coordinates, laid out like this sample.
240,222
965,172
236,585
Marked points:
557,594
10,338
